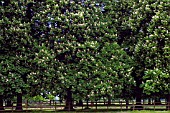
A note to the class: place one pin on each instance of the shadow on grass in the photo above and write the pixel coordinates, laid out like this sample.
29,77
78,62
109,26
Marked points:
62,111
85,111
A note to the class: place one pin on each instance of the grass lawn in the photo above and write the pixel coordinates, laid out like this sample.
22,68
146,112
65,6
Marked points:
123,112
143,111
147,112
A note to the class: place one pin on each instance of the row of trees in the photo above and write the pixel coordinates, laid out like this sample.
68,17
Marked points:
84,50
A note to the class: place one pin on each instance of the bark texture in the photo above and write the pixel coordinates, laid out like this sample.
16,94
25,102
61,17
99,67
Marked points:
9,103
69,101
1,103
168,102
19,101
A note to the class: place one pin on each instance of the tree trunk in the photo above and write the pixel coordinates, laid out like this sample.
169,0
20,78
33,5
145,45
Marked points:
109,100
157,101
9,103
138,93
69,101
138,90
50,102
149,101
168,102
87,104
138,98
127,103
79,103
60,99
1,103
19,101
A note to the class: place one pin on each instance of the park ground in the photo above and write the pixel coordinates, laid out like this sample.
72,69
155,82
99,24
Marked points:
114,112
143,111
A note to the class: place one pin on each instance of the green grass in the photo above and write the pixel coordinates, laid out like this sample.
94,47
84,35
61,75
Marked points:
143,111
148,112
113,112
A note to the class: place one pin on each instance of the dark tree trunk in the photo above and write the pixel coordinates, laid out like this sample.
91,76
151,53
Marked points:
60,99
19,101
127,103
168,102
69,101
9,103
149,101
109,100
87,104
50,102
79,103
138,92
1,103
157,101
138,98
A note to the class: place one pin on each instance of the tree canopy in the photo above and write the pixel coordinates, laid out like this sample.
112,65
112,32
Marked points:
84,50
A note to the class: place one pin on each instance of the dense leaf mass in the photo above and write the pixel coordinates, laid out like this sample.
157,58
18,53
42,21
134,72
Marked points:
85,50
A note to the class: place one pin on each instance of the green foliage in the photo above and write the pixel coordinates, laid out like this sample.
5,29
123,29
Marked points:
142,30
38,98
97,54
155,81
149,22
16,49
50,96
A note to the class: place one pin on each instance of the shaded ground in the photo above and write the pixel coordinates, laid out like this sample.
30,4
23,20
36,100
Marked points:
96,111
